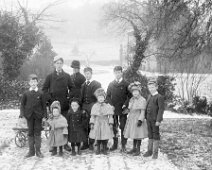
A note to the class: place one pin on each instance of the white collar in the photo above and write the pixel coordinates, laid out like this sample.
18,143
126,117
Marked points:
120,80
89,81
36,89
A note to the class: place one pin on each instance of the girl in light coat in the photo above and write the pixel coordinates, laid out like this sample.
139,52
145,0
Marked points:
101,121
136,126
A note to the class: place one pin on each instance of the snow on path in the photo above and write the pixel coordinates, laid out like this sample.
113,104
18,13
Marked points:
12,157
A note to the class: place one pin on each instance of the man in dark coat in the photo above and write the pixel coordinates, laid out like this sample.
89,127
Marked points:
118,96
33,108
57,87
154,116
77,78
88,99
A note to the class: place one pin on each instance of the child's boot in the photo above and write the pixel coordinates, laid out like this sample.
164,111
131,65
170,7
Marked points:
105,146
61,150
138,146
155,149
98,147
123,145
149,149
78,149
38,146
133,150
91,143
54,151
73,153
115,144
31,147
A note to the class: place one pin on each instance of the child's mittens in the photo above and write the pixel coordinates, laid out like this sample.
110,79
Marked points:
139,123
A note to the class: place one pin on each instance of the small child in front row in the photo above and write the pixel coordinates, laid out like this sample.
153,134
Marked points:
76,120
136,126
101,121
154,116
59,133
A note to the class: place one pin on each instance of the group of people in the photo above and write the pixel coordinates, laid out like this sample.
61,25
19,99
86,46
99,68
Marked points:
82,112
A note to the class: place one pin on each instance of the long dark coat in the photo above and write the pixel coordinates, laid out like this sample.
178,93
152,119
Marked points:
78,79
33,103
57,87
118,95
76,126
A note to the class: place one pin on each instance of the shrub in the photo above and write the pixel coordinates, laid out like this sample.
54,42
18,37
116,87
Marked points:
166,87
200,104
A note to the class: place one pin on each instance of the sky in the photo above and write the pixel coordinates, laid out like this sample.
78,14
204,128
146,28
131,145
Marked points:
79,27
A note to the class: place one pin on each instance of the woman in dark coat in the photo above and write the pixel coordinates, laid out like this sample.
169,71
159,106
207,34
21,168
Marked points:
76,118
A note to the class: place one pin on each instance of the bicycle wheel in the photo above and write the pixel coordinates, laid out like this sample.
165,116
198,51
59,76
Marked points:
20,139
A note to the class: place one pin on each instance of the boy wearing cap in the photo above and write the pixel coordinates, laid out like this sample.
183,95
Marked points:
88,99
57,87
77,78
118,96
33,108
154,116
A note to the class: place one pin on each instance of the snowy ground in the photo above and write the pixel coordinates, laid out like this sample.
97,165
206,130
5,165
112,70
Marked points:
12,157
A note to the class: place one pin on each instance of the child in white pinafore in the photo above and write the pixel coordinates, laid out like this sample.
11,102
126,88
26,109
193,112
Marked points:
136,126
101,121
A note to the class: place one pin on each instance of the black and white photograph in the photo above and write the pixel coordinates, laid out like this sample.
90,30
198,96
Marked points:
106,84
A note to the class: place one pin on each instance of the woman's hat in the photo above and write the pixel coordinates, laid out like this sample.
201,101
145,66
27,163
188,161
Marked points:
55,104
100,92
134,86
75,64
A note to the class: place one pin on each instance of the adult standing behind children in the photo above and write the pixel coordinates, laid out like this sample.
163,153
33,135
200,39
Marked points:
77,78
33,108
154,116
118,96
57,87
88,99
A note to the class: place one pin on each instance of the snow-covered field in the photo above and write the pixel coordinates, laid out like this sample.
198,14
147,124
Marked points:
12,157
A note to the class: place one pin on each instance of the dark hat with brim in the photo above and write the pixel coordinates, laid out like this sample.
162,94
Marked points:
75,64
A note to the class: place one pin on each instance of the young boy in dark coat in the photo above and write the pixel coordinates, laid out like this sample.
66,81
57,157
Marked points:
154,116
33,108
88,99
76,120
77,78
118,96
57,87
